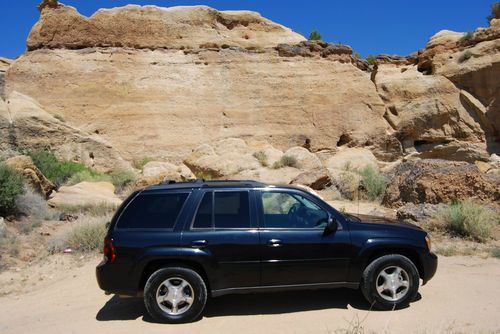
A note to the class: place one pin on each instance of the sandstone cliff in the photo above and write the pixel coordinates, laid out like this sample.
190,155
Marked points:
151,81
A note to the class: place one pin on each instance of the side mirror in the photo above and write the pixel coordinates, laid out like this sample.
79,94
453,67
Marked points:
331,227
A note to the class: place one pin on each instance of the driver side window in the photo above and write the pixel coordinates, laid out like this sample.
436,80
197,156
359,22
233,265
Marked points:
287,210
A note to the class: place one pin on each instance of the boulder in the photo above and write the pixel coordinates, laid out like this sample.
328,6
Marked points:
317,179
439,181
32,174
155,172
305,159
281,176
417,212
85,194
351,158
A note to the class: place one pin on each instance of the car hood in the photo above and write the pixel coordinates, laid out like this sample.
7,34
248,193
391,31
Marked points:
368,219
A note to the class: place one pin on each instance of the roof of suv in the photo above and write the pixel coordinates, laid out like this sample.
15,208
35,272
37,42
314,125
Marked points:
200,183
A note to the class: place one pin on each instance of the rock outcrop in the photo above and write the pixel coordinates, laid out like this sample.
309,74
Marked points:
155,172
438,181
139,82
4,65
151,27
32,174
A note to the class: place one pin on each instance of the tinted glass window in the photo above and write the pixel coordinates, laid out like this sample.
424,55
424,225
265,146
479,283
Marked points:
203,217
230,210
286,210
152,211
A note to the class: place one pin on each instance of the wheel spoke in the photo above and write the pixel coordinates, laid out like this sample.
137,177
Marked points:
174,308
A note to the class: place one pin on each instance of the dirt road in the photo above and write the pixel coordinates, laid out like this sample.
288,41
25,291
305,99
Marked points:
463,297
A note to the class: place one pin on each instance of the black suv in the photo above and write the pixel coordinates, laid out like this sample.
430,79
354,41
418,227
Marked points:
178,243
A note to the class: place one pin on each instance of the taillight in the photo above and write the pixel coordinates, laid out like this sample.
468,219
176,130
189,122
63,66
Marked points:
109,250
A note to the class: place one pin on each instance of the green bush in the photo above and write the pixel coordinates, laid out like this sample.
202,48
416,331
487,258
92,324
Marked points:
373,182
469,219
139,164
465,56
371,59
122,178
89,176
262,157
315,36
286,160
11,187
495,252
495,12
57,171
466,38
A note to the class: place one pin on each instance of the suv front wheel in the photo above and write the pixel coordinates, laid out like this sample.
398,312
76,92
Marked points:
390,281
175,295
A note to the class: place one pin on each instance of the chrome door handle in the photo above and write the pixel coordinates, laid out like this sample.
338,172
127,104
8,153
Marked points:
274,242
199,243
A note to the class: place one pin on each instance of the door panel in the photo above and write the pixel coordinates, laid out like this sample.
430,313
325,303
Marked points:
295,249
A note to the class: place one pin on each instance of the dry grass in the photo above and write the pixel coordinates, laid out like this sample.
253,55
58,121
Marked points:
261,156
95,210
286,161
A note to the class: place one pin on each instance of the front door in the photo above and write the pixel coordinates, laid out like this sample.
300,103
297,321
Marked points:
294,248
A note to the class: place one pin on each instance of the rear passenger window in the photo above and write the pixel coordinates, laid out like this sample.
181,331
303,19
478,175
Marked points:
153,211
224,209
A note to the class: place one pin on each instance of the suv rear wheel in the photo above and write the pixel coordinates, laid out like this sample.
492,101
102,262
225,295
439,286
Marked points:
390,281
175,294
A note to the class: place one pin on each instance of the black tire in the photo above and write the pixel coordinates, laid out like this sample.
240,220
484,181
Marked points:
371,274
196,283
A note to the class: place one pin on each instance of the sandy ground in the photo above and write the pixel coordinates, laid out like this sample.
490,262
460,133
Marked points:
61,295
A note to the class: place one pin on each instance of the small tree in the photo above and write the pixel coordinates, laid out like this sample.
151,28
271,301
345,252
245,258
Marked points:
495,11
11,186
315,36
371,59
48,3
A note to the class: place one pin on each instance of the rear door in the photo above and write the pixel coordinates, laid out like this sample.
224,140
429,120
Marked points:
294,248
224,231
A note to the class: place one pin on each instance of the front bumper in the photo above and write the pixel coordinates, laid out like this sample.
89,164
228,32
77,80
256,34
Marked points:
429,263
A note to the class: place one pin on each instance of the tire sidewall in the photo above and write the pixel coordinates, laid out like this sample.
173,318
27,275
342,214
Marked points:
369,288
158,277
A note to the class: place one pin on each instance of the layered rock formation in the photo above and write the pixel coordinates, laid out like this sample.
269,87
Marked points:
160,82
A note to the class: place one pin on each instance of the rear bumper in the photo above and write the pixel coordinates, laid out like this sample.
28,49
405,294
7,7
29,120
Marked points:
429,262
112,279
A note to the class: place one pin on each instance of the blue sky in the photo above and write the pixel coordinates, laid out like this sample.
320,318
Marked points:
369,27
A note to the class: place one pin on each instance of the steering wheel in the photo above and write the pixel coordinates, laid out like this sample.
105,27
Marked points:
293,214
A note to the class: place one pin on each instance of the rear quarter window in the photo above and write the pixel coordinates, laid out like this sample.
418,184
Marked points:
153,211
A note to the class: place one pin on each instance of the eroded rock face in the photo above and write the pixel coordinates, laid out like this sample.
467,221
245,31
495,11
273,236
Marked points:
4,65
428,115
32,174
154,27
155,172
439,181
24,125
472,63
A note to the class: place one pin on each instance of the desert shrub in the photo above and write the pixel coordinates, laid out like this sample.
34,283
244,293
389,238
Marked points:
139,164
10,245
122,178
28,226
347,184
469,220
371,59
57,171
495,12
465,56
495,252
447,250
89,176
262,157
203,175
87,234
466,38
92,209
11,187
286,161
31,203
315,36
373,182
357,56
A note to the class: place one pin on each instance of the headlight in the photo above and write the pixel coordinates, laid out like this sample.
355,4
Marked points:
428,242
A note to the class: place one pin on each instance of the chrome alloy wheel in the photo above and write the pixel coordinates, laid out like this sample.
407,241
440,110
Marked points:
393,283
175,296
